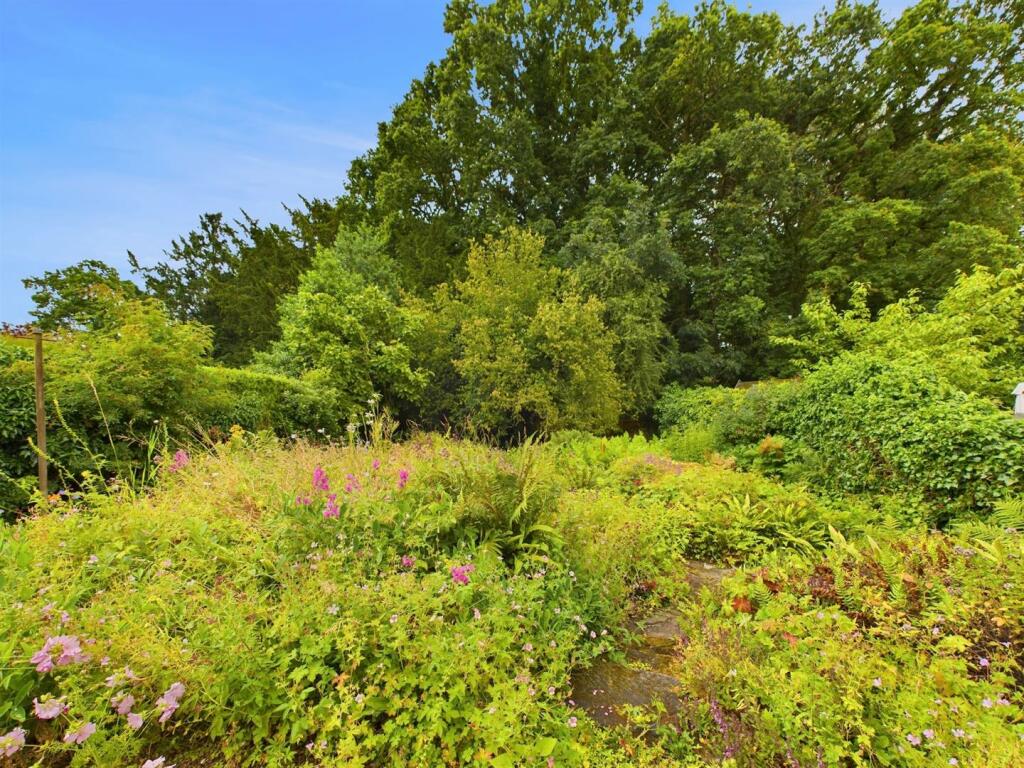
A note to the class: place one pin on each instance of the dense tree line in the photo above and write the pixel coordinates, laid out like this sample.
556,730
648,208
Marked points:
563,214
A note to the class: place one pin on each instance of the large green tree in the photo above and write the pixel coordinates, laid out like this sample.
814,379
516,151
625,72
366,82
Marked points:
785,162
501,131
75,297
345,326
532,354
231,276
700,182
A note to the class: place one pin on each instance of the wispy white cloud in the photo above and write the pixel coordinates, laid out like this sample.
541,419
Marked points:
142,176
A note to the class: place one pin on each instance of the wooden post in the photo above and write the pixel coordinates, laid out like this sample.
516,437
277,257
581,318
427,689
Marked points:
40,415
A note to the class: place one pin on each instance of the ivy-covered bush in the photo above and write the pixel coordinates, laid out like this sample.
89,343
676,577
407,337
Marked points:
880,425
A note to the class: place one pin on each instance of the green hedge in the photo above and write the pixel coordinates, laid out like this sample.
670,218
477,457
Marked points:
266,401
17,423
736,416
254,400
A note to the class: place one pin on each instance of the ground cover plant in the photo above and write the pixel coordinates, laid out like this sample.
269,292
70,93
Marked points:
426,603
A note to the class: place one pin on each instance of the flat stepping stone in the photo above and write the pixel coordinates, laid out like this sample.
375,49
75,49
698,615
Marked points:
662,628
605,687
700,574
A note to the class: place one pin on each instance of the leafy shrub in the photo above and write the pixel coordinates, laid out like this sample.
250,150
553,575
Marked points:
971,336
680,407
671,511
345,322
531,356
503,504
694,443
884,426
737,417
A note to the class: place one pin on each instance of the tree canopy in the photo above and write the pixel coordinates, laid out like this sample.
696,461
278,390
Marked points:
681,192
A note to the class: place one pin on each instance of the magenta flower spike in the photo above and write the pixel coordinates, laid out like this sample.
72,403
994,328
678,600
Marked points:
320,482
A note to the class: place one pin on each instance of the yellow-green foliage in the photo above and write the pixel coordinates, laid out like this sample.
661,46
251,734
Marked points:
892,652
290,628
532,356
424,604
971,336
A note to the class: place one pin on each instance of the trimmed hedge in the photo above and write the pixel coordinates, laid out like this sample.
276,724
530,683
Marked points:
17,423
254,400
266,401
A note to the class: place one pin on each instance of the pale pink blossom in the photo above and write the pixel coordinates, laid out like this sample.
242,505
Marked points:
48,709
12,741
80,734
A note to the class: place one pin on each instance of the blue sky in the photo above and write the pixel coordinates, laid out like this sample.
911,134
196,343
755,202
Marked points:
122,121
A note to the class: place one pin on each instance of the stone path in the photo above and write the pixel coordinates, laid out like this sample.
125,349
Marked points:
605,687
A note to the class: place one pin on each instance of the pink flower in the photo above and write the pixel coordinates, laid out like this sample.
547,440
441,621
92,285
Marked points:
983,662
12,741
59,650
122,703
573,722
156,763
332,510
121,677
169,701
527,647
48,709
408,561
352,483
928,733
460,573
376,463
403,478
914,739
80,734
303,501
180,461
320,482
134,721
